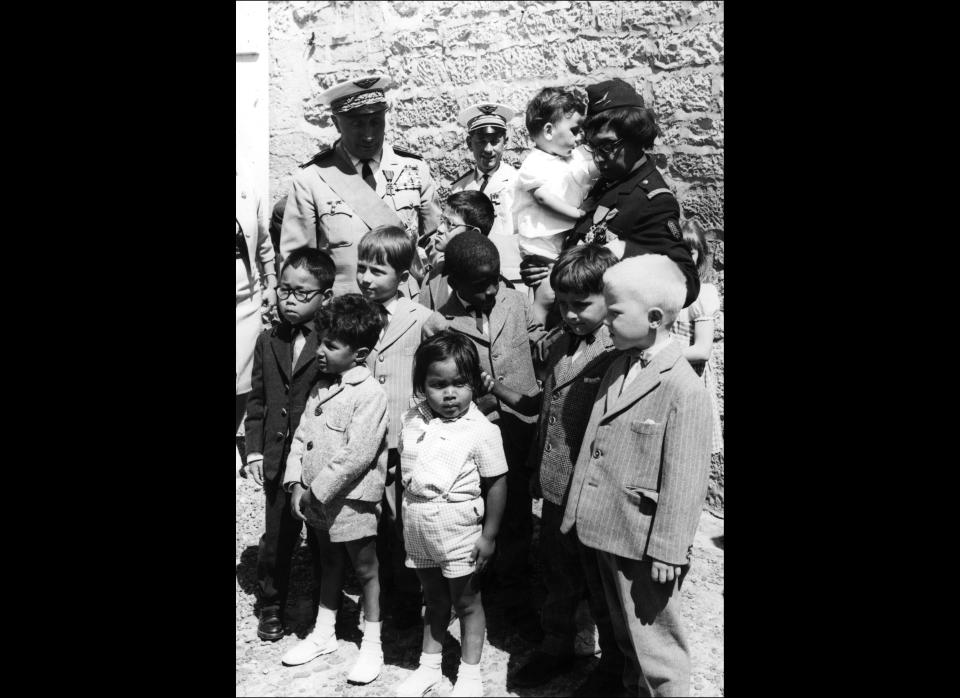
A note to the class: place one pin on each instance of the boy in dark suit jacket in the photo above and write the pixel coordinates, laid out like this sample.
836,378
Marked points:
576,356
498,321
284,370
641,477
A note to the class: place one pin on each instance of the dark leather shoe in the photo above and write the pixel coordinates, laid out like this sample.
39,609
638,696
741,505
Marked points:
601,683
270,626
541,668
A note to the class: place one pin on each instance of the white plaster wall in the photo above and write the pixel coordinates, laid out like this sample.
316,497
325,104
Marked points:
253,127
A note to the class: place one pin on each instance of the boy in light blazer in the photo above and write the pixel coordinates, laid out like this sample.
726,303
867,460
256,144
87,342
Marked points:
384,256
498,321
641,477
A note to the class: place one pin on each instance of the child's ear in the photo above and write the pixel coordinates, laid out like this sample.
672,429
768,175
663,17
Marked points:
326,295
362,353
404,276
655,317
548,131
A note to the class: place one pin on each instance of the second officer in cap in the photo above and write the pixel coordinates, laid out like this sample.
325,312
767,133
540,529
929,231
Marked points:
486,126
358,184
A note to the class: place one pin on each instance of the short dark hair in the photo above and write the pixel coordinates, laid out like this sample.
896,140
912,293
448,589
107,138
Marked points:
318,264
580,269
444,345
550,105
474,207
636,125
388,244
351,319
466,252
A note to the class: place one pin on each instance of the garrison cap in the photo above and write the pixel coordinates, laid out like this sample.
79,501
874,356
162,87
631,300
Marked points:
611,94
365,93
485,114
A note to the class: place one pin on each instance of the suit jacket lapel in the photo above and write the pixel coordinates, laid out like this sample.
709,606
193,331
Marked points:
565,370
460,320
281,351
404,318
307,354
647,380
498,316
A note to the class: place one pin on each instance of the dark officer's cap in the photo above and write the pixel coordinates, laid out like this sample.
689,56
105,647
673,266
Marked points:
611,94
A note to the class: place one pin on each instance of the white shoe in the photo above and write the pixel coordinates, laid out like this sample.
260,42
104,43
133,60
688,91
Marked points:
468,688
310,647
368,665
418,683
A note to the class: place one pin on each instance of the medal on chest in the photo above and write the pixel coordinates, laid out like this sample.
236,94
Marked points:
599,233
388,174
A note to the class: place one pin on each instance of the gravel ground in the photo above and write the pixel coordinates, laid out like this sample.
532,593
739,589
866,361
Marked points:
260,673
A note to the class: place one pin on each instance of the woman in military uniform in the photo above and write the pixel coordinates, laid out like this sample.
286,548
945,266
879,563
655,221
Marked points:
631,209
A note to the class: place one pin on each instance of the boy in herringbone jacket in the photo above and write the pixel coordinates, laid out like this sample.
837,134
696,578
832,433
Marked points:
384,256
641,475
335,474
576,356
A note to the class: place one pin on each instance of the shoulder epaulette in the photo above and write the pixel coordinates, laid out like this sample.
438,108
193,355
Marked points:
323,151
407,154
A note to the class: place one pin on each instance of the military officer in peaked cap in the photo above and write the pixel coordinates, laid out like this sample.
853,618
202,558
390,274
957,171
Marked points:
357,184
636,211
486,126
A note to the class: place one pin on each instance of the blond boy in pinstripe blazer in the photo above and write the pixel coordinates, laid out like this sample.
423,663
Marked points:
641,476
384,256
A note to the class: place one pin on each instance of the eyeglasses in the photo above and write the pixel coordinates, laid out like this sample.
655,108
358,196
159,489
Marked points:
303,296
449,225
605,150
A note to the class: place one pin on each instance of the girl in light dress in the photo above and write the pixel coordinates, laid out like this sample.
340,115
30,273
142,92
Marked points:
694,324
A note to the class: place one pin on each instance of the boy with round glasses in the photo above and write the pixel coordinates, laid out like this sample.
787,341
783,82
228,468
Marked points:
284,370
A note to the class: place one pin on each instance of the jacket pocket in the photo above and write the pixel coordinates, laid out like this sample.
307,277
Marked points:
336,423
644,492
646,428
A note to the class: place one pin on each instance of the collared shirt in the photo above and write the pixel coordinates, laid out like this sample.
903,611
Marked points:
469,309
300,333
445,458
637,361
358,163
389,306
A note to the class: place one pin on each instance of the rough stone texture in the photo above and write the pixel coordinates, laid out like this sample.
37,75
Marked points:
446,55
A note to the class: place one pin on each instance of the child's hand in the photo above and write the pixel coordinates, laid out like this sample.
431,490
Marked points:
663,572
297,496
254,470
536,492
487,381
482,550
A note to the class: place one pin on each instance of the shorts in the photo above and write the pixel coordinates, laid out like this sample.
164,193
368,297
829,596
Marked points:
345,519
439,533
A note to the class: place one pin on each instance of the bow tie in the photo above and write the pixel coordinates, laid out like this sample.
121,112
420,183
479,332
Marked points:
639,357
575,339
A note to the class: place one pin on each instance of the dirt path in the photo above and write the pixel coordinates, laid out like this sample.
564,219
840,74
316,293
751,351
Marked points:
259,672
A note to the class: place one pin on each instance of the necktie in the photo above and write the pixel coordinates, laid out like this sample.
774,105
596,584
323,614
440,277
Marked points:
367,175
479,315
483,184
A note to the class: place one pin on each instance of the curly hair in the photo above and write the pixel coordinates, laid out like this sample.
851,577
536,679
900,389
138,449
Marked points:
551,104
352,320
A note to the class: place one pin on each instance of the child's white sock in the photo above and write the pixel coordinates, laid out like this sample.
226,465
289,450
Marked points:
468,682
370,659
426,676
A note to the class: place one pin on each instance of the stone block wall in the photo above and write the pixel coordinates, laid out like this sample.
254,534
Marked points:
446,55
